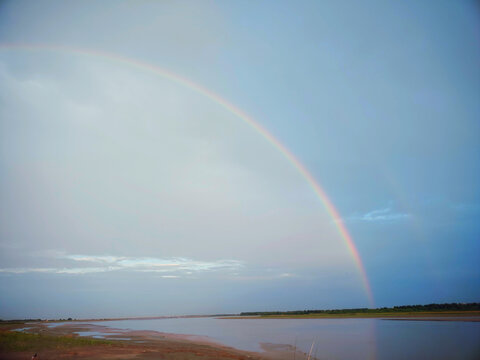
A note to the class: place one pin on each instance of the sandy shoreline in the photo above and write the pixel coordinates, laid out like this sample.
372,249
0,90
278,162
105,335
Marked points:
143,345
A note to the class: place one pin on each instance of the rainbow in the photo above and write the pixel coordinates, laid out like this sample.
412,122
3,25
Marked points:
291,158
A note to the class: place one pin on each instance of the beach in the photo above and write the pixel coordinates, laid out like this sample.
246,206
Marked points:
54,343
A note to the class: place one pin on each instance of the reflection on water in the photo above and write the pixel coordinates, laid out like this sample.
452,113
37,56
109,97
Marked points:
22,329
334,338
94,334
55,324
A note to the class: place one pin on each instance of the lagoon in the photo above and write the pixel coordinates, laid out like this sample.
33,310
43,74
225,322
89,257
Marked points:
339,339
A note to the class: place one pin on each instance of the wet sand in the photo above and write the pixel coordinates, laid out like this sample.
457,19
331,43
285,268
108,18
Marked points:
143,345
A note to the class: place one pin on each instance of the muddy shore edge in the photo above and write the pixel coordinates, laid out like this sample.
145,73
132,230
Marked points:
121,344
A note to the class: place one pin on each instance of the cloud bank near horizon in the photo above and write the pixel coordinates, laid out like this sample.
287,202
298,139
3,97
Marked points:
107,263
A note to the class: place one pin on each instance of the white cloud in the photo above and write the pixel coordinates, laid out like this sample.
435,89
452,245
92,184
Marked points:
378,215
104,259
156,264
145,264
77,270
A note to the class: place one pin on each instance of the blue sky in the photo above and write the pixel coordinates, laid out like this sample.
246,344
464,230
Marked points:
124,193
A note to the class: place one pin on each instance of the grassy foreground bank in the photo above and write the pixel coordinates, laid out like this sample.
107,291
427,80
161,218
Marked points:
20,341
62,342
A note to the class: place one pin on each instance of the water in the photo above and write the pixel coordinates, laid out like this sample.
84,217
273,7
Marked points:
338,339
22,329
102,335
93,334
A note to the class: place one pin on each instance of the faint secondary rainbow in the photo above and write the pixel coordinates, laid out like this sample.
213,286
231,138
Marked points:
240,114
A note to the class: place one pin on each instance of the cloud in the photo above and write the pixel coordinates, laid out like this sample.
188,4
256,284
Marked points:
381,215
262,276
89,258
147,166
87,270
108,263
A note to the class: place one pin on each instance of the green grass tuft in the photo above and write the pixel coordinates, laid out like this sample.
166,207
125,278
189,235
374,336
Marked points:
19,341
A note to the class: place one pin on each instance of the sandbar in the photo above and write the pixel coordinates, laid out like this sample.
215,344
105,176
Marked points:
142,345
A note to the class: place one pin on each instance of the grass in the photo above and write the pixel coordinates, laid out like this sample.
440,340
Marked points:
19,341
4,326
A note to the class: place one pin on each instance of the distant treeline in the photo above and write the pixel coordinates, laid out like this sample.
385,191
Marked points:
30,320
396,309
18,321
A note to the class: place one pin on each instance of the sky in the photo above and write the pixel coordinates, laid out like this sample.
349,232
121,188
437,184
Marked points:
128,192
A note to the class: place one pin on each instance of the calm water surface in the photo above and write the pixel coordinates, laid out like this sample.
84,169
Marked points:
339,339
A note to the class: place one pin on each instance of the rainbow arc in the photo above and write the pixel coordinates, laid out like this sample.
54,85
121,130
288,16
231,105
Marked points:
289,156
